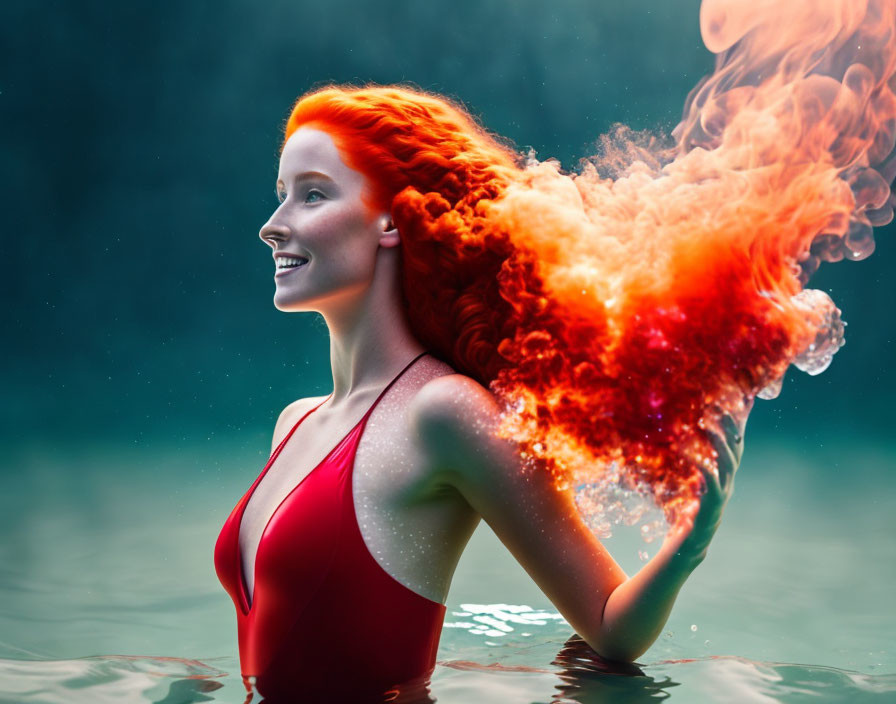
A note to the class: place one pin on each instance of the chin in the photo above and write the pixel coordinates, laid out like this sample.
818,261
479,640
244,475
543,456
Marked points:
290,306
289,302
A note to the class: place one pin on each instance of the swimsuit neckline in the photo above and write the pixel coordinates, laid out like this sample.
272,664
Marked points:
245,606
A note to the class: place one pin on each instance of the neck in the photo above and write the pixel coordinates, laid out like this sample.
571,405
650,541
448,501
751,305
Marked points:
370,339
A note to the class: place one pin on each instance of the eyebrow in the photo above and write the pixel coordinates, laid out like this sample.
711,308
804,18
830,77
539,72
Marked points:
304,176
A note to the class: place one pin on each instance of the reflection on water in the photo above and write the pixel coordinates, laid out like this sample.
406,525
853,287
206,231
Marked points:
415,691
585,677
499,620
589,679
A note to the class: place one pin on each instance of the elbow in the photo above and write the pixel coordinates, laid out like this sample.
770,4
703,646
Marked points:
614,643
617,642
614,657
613,651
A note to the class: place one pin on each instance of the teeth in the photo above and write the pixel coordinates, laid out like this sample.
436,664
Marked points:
286,262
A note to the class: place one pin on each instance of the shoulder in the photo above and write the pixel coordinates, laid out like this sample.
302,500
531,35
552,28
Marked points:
455,418
291,414
452,403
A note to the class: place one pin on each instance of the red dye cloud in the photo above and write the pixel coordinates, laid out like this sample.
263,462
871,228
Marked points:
663,285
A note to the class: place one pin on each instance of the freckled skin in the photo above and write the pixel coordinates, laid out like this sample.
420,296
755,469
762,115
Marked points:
429,465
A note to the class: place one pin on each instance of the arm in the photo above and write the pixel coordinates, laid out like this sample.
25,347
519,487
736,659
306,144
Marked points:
639,607
618,617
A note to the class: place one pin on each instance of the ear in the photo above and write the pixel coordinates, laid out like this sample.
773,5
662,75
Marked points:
389,236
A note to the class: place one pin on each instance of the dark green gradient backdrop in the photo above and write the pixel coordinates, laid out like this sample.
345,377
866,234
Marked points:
139,152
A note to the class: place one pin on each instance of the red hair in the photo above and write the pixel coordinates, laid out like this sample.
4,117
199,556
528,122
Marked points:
434,169
618,319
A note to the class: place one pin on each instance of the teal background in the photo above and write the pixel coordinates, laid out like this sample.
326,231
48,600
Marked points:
144,363
140,146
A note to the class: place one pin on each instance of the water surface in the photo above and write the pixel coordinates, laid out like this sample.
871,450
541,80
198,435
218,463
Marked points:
109,591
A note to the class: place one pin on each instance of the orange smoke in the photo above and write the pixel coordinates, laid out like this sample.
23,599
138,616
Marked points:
620,311
663,285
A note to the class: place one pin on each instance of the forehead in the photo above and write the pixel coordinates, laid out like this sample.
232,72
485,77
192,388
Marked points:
310,149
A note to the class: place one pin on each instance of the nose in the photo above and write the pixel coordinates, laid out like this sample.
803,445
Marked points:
272,234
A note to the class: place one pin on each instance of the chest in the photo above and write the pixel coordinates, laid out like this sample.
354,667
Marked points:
387,474
405,519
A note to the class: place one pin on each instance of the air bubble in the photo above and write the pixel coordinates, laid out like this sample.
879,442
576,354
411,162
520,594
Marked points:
817,305
772,390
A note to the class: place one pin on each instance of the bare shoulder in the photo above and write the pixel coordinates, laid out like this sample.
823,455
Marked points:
291,414
455,417
449,398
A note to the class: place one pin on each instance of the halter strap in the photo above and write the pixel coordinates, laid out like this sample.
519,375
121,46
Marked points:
389,385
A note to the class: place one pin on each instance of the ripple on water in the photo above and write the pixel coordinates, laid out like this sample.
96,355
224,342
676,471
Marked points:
580,676
108,678
576,675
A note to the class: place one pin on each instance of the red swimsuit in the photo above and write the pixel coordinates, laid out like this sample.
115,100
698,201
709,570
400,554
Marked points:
326,621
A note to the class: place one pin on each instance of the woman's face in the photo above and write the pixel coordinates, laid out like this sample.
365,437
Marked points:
325,242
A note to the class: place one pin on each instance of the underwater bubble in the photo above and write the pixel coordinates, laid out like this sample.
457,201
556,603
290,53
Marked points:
611,502
829,338
772,391
823,316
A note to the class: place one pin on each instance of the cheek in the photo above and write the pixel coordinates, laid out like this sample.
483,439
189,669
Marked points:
344,247
342,237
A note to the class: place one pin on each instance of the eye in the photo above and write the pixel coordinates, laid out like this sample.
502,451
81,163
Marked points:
313,196
281,196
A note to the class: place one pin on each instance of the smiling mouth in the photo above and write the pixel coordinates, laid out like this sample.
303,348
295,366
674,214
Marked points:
287,264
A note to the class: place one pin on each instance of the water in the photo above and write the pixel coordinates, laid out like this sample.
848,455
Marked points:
109,592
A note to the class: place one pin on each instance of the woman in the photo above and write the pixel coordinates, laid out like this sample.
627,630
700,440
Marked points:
342,551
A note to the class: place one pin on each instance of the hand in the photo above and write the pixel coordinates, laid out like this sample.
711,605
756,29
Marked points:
696,525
